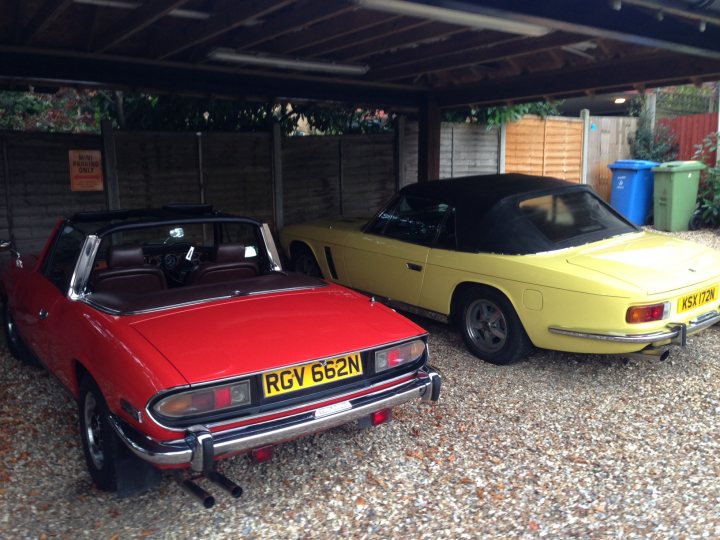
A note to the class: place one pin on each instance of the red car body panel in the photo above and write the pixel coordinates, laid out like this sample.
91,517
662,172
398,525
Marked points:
273,330
184,338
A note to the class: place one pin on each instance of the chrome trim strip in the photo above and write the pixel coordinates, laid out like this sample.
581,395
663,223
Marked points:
83,268
272,252
274,411
179,453
674,331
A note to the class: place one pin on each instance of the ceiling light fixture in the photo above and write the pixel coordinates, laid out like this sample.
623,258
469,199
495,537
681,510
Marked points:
455,16
619,100
122,4
281,62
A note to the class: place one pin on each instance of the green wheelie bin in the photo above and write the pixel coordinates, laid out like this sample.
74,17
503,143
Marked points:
675,194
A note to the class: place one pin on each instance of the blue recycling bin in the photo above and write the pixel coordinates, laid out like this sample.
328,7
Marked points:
632,189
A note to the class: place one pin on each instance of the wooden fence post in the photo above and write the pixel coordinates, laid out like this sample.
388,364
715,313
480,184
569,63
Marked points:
585,115
277,178
112,185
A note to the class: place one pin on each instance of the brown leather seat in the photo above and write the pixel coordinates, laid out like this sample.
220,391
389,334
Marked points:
228,264
127,272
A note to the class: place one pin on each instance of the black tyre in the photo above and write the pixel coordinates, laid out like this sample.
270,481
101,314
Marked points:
14,342
99,441
304,262
490,327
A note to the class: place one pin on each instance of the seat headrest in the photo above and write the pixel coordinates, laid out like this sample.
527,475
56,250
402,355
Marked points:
123,256
229,253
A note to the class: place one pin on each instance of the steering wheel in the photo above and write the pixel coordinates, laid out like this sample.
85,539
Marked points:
180,262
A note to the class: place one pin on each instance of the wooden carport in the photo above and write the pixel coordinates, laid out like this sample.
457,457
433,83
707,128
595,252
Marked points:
418,56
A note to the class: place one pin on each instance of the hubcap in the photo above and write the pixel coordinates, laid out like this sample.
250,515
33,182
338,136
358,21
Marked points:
486,325
93,430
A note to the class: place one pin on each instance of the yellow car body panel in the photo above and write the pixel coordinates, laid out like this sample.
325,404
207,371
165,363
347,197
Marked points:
587,288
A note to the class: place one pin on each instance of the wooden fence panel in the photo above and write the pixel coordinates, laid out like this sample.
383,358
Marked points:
525,146
157,168
311,178
465,149
237,173
468,149
39,185
607,142
563,148
368,173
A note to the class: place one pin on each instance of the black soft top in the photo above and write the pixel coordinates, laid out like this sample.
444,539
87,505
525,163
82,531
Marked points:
487,217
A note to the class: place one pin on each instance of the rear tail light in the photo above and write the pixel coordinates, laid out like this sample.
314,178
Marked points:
260,455
204,400
380,417
643,314
399,355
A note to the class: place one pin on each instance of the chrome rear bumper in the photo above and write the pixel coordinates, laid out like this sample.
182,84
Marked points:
200,447
677,333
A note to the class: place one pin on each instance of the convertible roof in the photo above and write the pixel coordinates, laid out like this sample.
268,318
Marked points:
480,193
487,218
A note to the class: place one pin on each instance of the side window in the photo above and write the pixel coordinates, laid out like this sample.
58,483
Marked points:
446,238
415,220
59,265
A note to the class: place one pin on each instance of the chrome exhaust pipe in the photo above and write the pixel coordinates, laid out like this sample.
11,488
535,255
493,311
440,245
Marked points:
224,482
207,500
650,353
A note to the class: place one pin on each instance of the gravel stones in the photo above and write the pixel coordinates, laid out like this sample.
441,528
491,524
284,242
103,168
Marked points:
560,445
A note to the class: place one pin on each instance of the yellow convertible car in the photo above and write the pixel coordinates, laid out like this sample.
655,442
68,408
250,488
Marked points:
516,261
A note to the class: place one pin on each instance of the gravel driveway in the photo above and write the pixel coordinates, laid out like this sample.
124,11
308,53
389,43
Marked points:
560,445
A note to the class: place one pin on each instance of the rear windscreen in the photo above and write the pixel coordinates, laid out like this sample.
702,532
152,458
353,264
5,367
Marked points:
563,217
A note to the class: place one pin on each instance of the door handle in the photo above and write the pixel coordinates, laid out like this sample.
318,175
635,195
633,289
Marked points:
413,266
43,314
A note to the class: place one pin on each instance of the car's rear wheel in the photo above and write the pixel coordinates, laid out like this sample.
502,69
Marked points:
490,327
99,441
14,342
304,262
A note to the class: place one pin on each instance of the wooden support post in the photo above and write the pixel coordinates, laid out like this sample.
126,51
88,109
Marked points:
277,181
8,198
112,185
429,141
399,153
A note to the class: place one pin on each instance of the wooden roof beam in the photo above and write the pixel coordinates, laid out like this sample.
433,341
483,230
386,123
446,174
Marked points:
324,32
303,15
226,20
614,75
137,20
596,18
407,38
483,55
44,17
383,33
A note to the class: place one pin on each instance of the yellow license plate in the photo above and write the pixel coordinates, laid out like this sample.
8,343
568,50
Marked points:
296,378
697,299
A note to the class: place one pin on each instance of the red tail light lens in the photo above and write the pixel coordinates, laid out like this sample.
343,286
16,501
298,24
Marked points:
380,417
205,400
265,453
643,314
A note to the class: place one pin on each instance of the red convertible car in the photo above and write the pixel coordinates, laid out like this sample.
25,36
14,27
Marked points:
184,342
